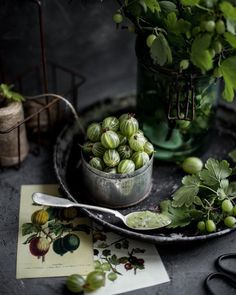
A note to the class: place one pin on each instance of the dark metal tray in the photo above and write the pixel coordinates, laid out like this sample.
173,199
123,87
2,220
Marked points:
166,176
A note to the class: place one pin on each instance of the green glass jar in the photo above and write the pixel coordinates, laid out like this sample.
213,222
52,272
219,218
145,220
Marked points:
157,93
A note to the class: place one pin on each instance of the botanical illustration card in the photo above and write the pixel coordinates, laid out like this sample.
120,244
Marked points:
59,242
52,242
128,264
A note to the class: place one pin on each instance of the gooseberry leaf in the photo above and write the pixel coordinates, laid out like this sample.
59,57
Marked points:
171,21
232,189
160,50
231,39
185,195
167,6
227,69
153,5
29,228
232,155
229,11
179,217
200,55
215,171
190,2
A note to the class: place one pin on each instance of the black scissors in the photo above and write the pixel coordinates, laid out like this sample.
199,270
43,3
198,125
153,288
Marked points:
225,274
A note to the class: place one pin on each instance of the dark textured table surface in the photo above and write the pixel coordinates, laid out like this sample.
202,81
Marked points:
108,60
187,266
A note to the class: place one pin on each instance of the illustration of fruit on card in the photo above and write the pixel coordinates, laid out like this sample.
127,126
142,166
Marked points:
52,241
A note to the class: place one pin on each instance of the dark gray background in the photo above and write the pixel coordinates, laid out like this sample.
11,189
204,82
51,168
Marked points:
81,36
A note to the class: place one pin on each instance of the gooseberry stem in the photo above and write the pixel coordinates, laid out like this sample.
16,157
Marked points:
206,187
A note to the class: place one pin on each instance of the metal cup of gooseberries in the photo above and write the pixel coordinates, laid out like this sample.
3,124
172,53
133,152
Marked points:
117,162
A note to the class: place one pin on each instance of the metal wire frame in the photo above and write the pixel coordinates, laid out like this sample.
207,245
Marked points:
76,80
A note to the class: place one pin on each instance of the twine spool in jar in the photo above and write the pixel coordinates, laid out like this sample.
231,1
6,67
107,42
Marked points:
10,115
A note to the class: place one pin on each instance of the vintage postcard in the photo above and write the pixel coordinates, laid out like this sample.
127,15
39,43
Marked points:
52,242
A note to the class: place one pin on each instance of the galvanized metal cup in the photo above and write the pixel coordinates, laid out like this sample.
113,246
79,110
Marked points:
117,190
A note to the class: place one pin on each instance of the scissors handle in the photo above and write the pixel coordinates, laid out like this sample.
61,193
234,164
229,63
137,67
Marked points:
218,275
221,266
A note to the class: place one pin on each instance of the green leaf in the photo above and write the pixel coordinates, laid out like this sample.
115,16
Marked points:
167,7
183,26
186,194
232,155
6,92
160,50
215,171
106,252
200,55
29,239
153,5
224,184
180,217
143,4
232,189
171,22
227,69
189,2
29,228
229,11
221,194
231,39
231,25
113,260
198,201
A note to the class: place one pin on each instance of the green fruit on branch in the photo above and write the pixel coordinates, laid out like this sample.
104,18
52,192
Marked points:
111,158
192,165
217,47
95,280
111,123
126,166
106,266
112,276
129,126
71,242
201,226
220,27
184,64
94,132
58,248
210,26
210,226
75,283
140,159
69,213
98,149
234,211
196,30
137,142
40,217
124,151
227,206
148,148
96,163
230,221
122,138
110,140
117,18
39,246
110,170
150,39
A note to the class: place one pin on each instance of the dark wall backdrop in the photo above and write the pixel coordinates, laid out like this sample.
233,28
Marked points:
79,34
